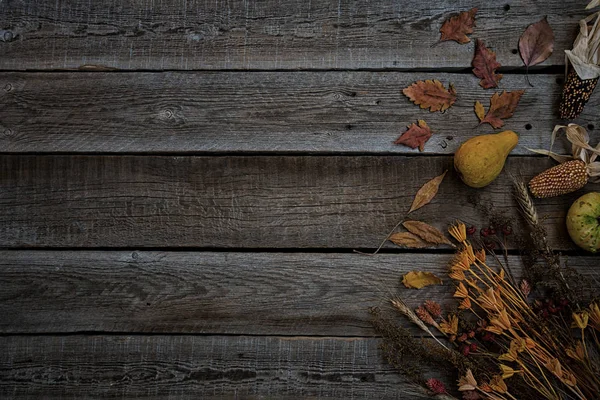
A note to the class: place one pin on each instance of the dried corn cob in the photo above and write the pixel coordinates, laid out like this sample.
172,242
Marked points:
576,93
561,179
583,68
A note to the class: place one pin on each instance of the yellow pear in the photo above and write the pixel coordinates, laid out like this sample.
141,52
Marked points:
480,160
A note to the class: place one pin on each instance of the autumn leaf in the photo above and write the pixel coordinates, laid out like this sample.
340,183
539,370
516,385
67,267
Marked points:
458,27
484,66
407,239
479,110
427,192
415,136
426,232
502,106
431,94
536,44
420,279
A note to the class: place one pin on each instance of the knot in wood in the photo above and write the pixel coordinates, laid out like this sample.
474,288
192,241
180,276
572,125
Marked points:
167,114
8,87
8,36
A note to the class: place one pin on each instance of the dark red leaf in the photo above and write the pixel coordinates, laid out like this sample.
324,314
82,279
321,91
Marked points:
415,136
485,65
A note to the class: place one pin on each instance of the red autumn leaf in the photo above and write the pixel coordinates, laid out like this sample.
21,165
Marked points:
431,94
415,136
537,43
458,27
484,66
502,106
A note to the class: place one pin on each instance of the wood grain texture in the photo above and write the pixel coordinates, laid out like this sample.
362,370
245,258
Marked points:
272,34
195,367
243,202
256,112
213,293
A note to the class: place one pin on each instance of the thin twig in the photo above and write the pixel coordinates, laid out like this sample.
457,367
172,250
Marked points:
382,243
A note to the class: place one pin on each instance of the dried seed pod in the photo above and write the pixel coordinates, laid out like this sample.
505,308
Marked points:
561,179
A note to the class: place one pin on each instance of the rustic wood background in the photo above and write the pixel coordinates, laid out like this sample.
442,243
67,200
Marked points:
183,182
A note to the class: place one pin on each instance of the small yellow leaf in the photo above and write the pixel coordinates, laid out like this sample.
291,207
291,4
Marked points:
426,232
407,239
427,192
479,110
420,279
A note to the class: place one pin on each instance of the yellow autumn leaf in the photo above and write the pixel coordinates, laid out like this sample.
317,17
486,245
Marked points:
420,279
427,192
407,239
479,110
426,232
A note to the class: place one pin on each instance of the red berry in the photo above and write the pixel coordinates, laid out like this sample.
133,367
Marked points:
545,314
471,334
471,230
564,302
553,310
488,337
485,232
462,337
507,230
492,230
473,347
465,350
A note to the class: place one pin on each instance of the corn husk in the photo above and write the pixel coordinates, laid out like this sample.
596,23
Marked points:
593,3
580,149
585,55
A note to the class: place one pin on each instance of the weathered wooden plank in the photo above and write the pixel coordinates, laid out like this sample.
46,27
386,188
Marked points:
193,367
259,112
242,202
273,34
212,293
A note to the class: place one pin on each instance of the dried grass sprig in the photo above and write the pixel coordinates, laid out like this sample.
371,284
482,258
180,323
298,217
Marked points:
399,304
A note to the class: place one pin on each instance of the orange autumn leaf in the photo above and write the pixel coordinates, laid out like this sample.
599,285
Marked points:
415,136
426,232
458,27
502,106
431,94
484,66
427,192
420,279
479,111
407,239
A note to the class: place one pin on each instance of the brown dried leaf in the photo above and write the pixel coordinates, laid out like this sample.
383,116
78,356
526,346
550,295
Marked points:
484,66
458,27
502,106
537,43
407,239
426,232
415,136
427,192
420,279
431,94
479,110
